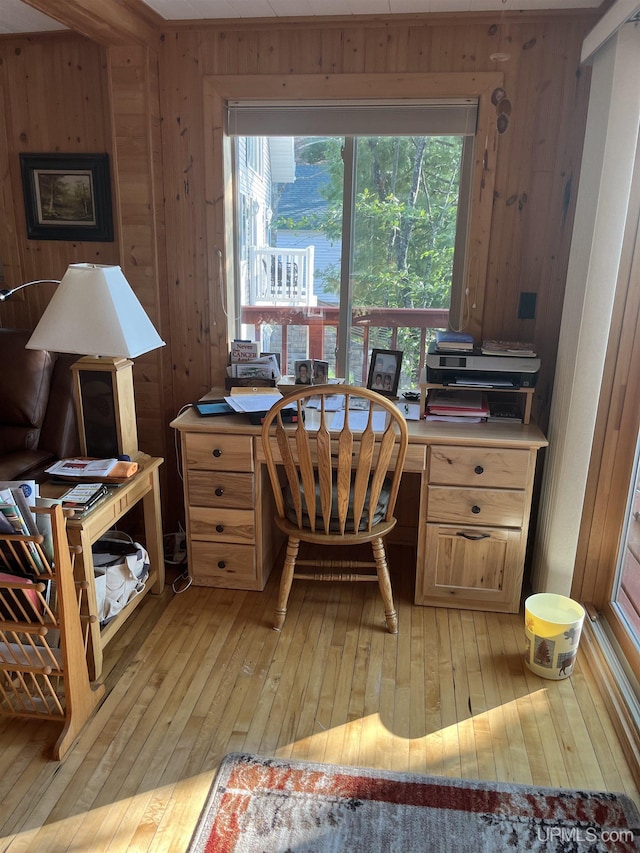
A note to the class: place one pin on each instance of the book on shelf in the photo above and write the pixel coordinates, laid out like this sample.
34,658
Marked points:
456,341
503,412
458,404
517,348
84,496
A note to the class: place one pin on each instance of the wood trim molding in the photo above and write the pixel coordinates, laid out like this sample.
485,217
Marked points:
616,692
109,22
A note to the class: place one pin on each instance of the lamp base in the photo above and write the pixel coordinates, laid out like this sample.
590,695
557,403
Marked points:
105,405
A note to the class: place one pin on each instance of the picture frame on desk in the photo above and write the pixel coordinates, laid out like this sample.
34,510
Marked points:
384,371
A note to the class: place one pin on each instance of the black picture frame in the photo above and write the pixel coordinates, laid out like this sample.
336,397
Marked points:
81,210
384,371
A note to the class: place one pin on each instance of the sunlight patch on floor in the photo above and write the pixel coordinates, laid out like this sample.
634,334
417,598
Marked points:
139,824
450,751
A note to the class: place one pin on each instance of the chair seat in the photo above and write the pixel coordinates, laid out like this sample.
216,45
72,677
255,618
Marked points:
334,522
305,534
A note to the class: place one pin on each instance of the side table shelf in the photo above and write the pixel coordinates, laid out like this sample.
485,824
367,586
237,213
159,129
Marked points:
84,532
527,392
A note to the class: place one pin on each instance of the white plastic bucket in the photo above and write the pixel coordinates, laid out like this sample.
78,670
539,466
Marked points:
553,624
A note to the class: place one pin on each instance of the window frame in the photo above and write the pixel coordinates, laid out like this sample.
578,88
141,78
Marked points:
220,212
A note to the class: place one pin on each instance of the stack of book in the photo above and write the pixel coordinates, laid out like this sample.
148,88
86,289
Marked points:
457,406
447,341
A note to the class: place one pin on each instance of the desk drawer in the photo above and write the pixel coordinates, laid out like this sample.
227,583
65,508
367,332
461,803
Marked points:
494,507
222,525
503,468
223,564
220,489
219,452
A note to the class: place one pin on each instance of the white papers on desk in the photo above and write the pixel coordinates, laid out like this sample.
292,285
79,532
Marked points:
332,403
358,421
260,402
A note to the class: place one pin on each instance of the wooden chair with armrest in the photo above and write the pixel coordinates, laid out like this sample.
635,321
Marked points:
340,488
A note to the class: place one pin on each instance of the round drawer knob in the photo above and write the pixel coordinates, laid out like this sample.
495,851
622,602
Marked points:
219,492
479,469
475,509
220,527
217,453
222,564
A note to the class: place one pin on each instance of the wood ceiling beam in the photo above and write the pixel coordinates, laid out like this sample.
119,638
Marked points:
109,22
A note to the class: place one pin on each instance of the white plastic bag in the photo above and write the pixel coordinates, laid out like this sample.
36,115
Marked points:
121,569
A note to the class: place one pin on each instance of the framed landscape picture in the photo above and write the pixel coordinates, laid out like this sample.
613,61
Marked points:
384,371
67,196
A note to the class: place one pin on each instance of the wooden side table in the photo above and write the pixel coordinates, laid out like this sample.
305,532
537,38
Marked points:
143,486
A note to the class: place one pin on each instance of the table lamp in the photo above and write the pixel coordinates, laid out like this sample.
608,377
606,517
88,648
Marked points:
95,313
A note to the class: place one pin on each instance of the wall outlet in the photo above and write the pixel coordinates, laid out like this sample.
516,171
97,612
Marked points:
179,547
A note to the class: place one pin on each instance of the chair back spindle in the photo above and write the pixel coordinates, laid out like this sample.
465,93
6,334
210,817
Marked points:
340,485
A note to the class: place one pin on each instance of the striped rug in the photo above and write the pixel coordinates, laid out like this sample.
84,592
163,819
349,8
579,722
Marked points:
268,805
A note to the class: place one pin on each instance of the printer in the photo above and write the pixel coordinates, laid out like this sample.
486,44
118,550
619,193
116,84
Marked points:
479,369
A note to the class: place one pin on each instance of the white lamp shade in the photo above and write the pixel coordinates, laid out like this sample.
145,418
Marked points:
94,311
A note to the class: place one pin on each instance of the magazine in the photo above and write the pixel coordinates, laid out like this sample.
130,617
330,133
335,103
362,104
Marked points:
82,468
15,509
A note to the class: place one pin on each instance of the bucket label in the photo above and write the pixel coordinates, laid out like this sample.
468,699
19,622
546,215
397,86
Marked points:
552,657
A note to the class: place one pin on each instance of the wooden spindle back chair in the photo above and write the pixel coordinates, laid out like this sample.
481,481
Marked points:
339,486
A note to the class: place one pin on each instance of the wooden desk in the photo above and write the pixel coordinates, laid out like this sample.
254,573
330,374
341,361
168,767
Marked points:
472,485
143,486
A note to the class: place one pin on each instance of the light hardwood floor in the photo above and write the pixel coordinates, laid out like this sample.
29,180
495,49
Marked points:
194,676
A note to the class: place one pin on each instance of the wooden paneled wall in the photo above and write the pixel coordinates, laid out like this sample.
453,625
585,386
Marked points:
536,171
63,92
54,98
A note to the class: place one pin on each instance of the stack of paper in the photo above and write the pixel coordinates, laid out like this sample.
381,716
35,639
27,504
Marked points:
518,348
259,402
457,406
358,421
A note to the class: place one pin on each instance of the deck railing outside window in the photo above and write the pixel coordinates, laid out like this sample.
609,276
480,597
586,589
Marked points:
299,332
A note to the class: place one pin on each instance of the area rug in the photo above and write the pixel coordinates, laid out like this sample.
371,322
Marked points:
264,805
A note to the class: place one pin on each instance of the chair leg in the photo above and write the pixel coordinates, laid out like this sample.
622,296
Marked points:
384,582
285,583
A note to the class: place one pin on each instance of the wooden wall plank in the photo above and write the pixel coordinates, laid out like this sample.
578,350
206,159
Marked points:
56,96
133,94
55,99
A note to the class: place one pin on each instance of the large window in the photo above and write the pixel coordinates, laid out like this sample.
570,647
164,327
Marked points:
394,240
349,241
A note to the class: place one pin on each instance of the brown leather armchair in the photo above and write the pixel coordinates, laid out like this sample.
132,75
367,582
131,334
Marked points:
37,410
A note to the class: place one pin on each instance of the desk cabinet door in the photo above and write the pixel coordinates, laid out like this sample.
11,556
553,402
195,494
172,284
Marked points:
474,568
